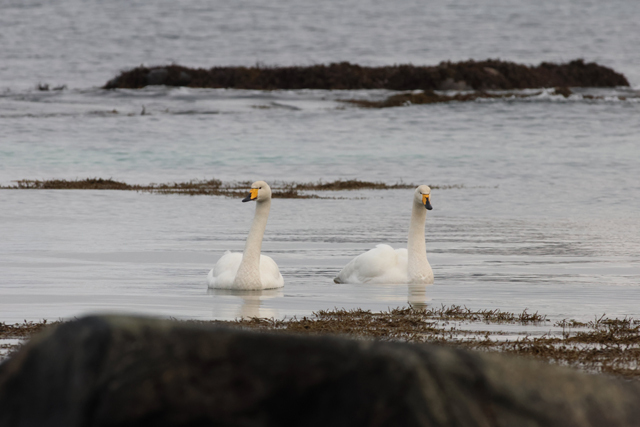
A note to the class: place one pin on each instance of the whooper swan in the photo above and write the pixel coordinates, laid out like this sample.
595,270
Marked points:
249,270
383,264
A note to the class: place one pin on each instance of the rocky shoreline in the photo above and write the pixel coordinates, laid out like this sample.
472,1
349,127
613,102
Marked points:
604,345
125,371
467,75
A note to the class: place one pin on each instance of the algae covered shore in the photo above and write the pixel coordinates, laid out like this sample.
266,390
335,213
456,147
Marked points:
603,345
216,187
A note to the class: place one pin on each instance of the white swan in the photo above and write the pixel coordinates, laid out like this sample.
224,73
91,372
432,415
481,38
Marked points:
383,264
249,270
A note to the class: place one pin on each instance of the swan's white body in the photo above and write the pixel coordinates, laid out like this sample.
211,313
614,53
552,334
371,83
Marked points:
383,264
249,270
223,274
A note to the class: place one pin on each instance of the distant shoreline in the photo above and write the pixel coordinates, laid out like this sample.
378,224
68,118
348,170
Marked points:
460,76
214,187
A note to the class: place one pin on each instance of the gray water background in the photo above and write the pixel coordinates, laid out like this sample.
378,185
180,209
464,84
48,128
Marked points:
547,219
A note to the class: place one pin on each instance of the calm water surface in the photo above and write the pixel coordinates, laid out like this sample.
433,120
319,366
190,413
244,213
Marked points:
547,219
67,253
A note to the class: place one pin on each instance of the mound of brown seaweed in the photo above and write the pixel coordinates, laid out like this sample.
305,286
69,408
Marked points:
492,74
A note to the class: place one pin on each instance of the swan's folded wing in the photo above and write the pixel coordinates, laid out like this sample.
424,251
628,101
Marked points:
224,272
270,273
372,264
403,256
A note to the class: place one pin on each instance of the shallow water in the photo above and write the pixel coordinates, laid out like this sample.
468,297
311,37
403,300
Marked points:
547,218
72,252
7,345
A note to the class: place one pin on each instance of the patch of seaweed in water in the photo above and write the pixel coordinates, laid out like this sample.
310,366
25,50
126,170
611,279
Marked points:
215,187
63,184
350,184
492,74
23,330
430,97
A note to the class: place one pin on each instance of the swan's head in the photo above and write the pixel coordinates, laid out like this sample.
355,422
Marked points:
422,196
260,191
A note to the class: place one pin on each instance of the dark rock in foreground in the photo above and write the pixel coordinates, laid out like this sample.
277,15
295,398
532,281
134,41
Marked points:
122,371
482,75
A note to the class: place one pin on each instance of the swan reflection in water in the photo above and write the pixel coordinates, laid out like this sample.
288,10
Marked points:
417,296
251,303
234,303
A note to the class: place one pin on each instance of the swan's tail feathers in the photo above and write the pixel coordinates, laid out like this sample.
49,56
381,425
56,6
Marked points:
336,280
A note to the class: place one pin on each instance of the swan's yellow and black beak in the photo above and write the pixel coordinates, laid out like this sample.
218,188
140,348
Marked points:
426,202
252,195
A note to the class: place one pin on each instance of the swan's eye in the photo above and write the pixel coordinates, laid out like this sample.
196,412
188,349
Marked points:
260,188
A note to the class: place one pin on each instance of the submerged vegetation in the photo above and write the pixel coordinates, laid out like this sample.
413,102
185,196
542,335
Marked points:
215,187
603,345
427,97
431,97
466,75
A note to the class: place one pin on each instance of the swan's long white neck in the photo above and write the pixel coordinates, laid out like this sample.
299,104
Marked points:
249,270
418,266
